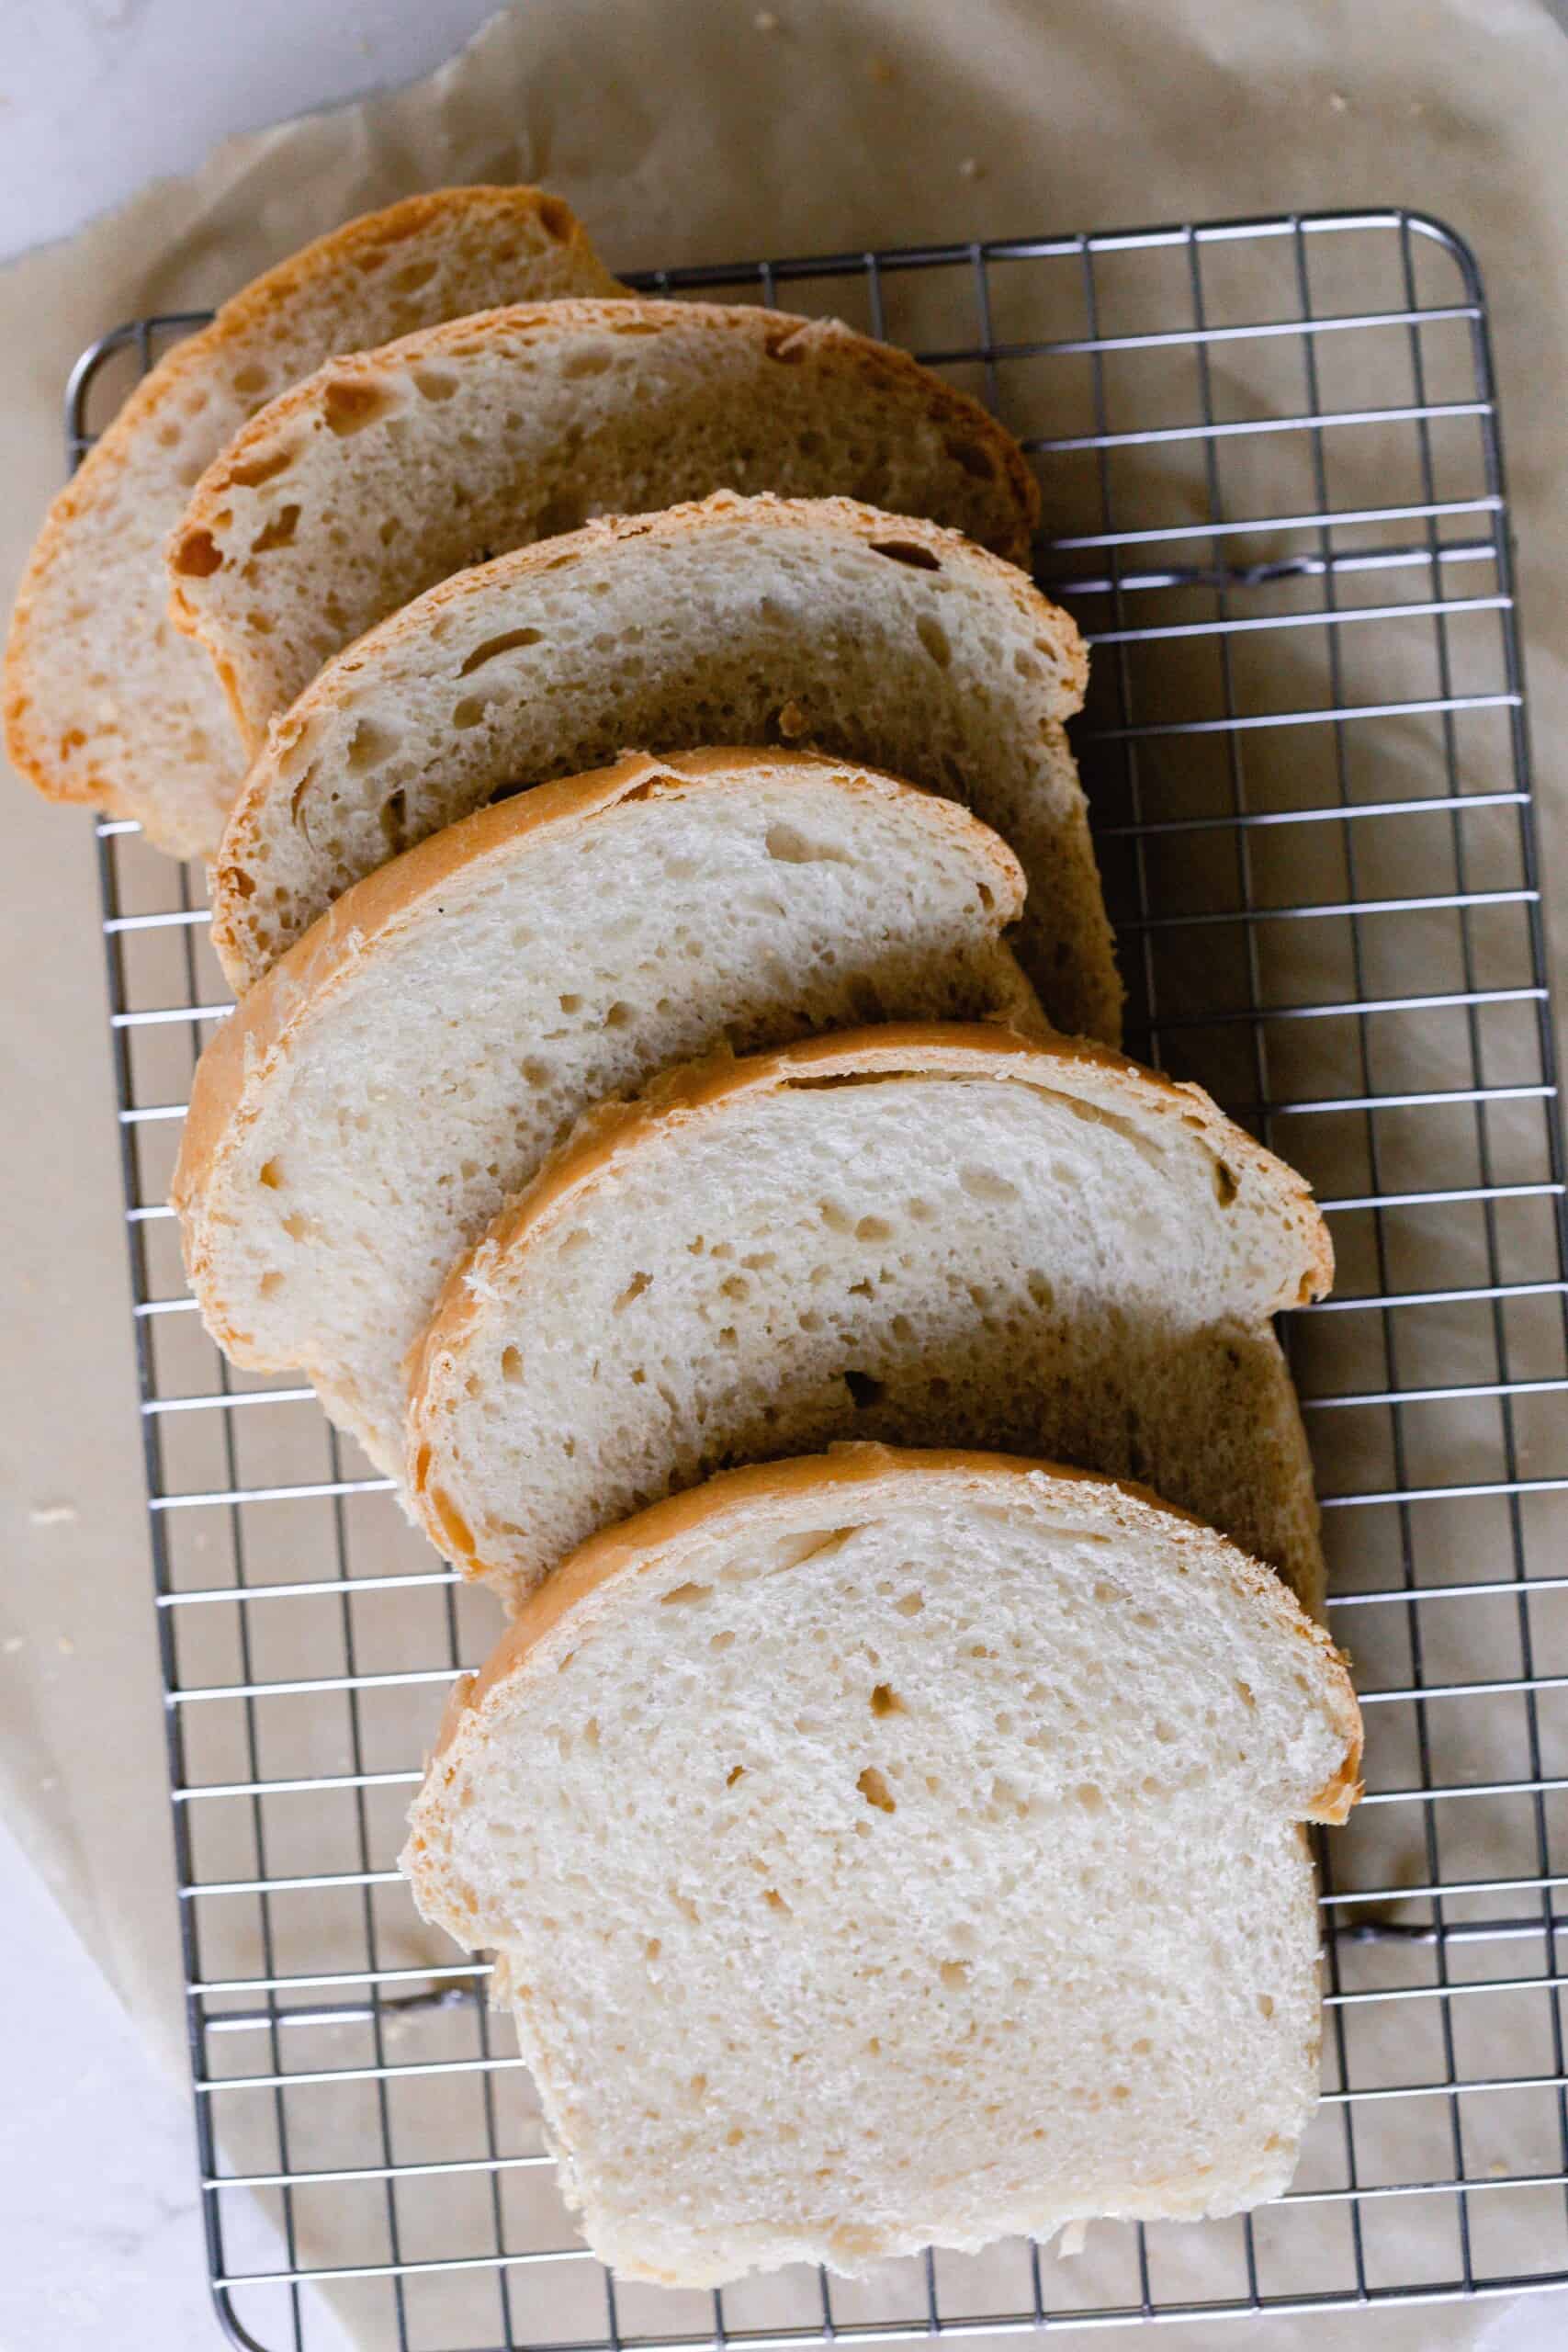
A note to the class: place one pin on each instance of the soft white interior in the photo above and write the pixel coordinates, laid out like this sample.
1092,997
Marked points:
508,431
921,1260
433,1080
737,630
115,692
922,1879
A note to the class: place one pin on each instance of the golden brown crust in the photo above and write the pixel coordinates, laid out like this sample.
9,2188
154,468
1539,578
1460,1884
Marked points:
413,622
261,1030
271,429
567,1601
262,300
896,1050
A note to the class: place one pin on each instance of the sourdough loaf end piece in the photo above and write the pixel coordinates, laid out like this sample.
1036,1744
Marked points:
934,1820
357,1122
104,701
918,1234
385,472
818,622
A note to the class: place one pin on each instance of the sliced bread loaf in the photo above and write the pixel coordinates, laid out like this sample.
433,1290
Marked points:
104,701
742,620
917,1235
893,1849
383,473
410,1062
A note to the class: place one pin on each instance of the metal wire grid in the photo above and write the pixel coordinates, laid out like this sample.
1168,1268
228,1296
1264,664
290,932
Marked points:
1272,459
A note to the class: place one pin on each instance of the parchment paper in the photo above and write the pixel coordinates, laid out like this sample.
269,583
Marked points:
681,132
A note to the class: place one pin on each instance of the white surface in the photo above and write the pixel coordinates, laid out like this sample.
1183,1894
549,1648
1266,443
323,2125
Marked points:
100,2241
102,2232
99,97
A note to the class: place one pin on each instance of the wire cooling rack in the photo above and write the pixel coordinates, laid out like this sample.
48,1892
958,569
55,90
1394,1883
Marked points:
1271,458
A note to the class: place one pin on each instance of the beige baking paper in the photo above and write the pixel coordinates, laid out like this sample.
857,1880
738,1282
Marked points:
680,133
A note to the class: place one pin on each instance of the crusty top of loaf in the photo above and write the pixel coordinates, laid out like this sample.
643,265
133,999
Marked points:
862,1476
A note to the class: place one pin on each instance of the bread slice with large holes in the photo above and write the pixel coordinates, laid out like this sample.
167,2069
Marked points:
817,621
890,1848
355,1126
383,473
923,1235
105,700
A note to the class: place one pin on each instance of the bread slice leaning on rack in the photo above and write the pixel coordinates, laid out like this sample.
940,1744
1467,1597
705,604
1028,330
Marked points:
411,1061
917,1233
385,472
105,700
935,1818
818,622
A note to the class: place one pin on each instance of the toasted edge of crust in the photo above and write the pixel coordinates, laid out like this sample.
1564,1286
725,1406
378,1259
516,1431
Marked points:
260,1031
833,516
239,316
563,1609
774,330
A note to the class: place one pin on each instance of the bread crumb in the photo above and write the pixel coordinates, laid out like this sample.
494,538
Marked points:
1339,102
66,1646
49,1780
12,1644
1498,2169
765,21
882,70
53,1515
793,721
969,169
1071,2241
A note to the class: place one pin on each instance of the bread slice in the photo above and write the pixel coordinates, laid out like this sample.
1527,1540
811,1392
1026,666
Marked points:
891,1849
920,1235
742,620
383,473
355,1125
104,701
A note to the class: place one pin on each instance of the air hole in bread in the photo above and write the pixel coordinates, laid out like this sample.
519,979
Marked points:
435,384
1039,1290
250,378
556,219
349,405
494,647
789,847
954,1974
885,1701
511,1363
619,1015
680,1596
933,637
469,711
270,1175
277,533
864,1391
774,1899
875,1791
975,461
592,361
908,551
874,1229
393,817
196,556
1225,1184
270,1285
634,1289
1265,2005
369,744
1090,1797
